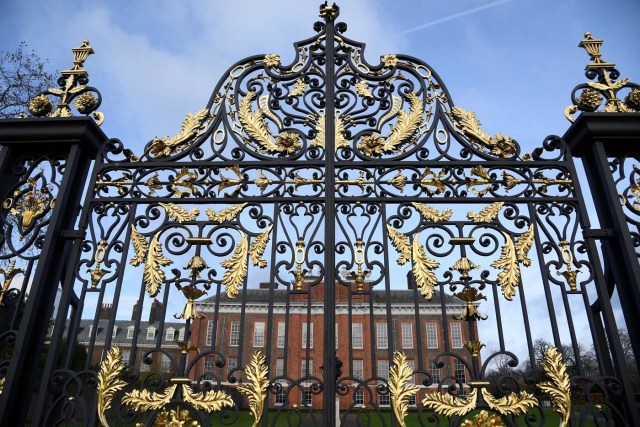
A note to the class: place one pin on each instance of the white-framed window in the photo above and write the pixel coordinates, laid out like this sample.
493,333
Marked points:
384,400
382,338
281,397
234,336
170,334
306,329
209,339
383,369
181,334
280,339
130,330
306,372
459,371
114,332
258,334
151,333
435,372
456,335
126,355
232,363
209,365
412,400
90,330
432,335
407,335
358,369
165,363
279,367
337,335
356,335
359,397
307,398
412,365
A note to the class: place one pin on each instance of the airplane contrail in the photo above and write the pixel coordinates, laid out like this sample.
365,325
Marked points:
451,17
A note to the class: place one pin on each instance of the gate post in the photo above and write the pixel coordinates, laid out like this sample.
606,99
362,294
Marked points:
77,140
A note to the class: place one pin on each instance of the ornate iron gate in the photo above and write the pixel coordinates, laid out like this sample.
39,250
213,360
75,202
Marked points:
328,242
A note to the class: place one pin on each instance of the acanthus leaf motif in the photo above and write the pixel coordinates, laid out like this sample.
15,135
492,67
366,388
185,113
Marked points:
153,276
257,385
487,214
432,214
140,247
511,404
400,241
109,382
258,246
509,277
226,214
400,388
423,267
559,388
236,267
179,213
212,400
451,406
145,400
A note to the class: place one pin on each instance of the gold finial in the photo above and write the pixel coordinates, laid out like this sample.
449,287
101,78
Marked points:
474,347
329,13
80,55
592,46
470,296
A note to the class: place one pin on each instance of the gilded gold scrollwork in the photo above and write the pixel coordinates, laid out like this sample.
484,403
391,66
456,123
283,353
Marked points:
109,382
8,276
469,126
236,267
360,274
299,273
192,128
97,273
569,274
399,386
558,387
257,375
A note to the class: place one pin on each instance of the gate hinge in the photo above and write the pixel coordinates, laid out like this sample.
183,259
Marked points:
598,233
71,234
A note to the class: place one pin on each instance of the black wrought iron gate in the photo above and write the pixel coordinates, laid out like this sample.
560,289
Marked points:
328,242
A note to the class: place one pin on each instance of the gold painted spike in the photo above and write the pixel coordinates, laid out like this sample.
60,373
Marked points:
484,419
500,145
226,214
236,267
140,247
257,385
144,400
559,388
432,214
401,391
400,241
258,247
212,400
191,127
109,382
153,276
449,405
511,404
487,214
422,269
179,213
509,277
523,246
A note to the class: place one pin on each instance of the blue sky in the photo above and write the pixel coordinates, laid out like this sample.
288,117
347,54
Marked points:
514,62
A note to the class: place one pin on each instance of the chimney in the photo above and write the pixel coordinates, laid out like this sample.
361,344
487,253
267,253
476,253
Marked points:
135,314
105,311
156,311
411,283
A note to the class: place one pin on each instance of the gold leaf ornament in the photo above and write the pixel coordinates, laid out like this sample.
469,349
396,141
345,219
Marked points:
509,277
523,246
179,213
255,390
449,405
511,404
423,267
258,246
153,276
468,124
559,386
191,127
212,400
109,382
400,241
432,214
226,214
145,400
236,267
484,419
487,214
140,247
399,387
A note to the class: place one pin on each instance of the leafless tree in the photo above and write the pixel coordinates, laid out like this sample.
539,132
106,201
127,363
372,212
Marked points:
23,75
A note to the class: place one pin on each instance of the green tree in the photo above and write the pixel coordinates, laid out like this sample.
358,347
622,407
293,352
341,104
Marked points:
23,75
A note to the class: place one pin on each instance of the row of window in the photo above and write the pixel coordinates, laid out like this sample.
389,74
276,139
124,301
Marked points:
306,398
357,337
306,369
170,334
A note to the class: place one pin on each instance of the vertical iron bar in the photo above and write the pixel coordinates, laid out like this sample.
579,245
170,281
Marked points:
329,372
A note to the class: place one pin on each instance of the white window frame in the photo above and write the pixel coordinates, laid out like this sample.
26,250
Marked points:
383,368
234,333
280,337
432,335
281,398
459,371
357,339
412,364
382,337
337,335
114,332
435,372
130,331
307,398
151,331
304,372
209,365
232,363
456,335
384,400
358,398
358,369
258,334
170,334
209,335
304,334
279,367
407,335
181,334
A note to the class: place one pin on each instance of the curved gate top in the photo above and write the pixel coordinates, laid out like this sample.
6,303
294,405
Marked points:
328,242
